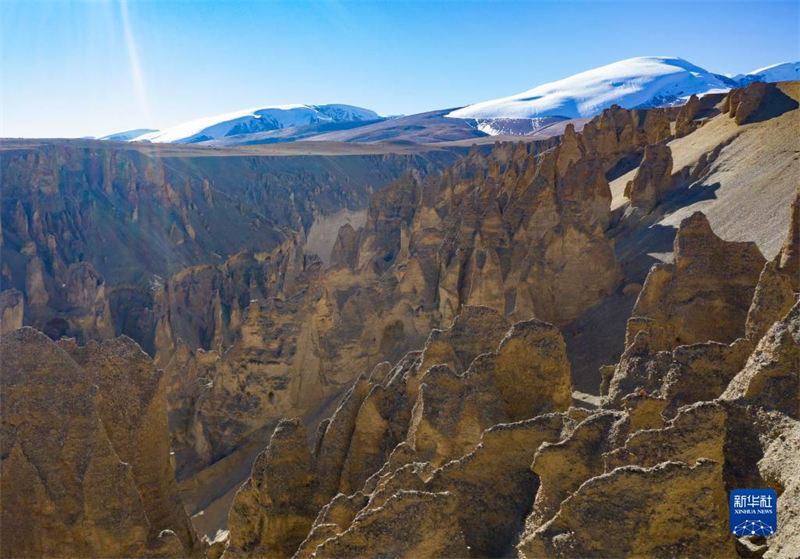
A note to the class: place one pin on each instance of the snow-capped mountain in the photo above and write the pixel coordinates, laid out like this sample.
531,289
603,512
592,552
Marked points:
128,135
260,119
788,71
635,82
651,81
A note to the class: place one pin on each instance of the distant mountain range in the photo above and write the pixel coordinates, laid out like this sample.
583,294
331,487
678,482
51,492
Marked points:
254,121
636,82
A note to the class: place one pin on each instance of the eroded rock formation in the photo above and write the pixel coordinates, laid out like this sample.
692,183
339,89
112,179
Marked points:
704,295
12,309
520,229
655,460
83,217
399,429
470,444
653,180
85,457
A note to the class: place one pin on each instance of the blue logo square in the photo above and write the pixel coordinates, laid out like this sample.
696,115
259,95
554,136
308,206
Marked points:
753,512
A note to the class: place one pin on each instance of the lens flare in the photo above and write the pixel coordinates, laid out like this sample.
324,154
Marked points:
133,59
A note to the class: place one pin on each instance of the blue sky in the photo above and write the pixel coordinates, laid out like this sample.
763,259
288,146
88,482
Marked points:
72,68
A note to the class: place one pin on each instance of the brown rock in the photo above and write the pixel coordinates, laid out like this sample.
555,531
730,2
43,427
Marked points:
704,295
570,150
333,519
133,408
658,510
12,305
65,490
474,331
657,126
345,249
526,376
685,121
532,370
580,450
789,257
777,467
409,525
234,352
335,443
696,432
743,103
653,180
34,282
773,297
771,377
687,374
273,512
494,485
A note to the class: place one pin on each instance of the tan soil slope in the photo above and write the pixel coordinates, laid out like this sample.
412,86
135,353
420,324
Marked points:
746,195
757,173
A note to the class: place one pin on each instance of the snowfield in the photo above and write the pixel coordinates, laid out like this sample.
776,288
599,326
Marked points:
635,82
788,71
257,120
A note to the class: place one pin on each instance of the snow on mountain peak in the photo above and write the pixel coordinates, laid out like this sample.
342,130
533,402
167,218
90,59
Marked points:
128,135
260,119
646,81
641,81
787,71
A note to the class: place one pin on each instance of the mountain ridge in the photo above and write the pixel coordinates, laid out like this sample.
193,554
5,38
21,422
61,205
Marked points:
639,82
261,119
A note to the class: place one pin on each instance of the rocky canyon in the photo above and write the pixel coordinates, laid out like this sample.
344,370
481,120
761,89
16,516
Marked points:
570,344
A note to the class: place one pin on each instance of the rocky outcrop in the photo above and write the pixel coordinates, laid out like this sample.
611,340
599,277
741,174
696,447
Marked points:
773,297
686,374
618,133
408,525
771,377
137,216
469,446
502,230
12,309
66,490
653,180
704,295
133,410
777,467
494,485
579,449
528,375
696,431
656,459
515,230
741,104
234,351
789,257
267,333
685,121
273,510
659,509
779,283
396,427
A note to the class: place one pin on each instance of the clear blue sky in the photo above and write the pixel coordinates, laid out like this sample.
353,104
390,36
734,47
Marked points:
73,68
